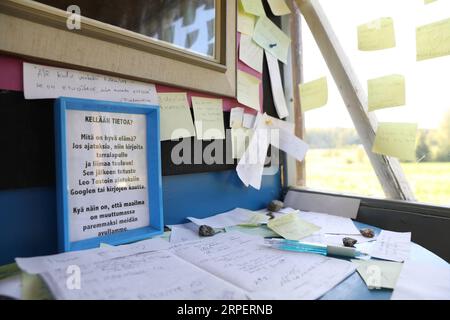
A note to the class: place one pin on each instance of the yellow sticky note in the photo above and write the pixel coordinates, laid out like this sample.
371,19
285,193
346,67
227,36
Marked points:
245,21
396,140
248,90
433,40
208,115
255,220
379,274
428,1
386,92
34,288
291,227
279,7
176,119
272,38
313,94
376,35
254,7
240,140
250,53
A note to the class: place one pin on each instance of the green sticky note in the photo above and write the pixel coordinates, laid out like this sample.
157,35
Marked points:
291,227
396,140
379,274
386,92
8,270
433,40
272,39
376,35
34,288
313,94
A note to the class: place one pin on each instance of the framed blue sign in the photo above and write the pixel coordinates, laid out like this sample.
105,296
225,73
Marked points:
108,169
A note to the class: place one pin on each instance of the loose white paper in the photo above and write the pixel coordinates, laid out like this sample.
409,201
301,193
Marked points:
423,281
330,224
277,86
226,219
394,246
264,272
184,232
44,82
106,173
289,143
236,117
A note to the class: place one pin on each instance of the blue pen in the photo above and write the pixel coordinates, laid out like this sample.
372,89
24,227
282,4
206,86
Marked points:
325,250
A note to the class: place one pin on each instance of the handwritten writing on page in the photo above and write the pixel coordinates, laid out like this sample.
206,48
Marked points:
279,7
144,276
272,39
396,140
208,115
176,119
264,272
277,86
423,281
225,219
248,90
291,227
236,117
313,94
386,92
376,35
43,82
393,246
250,53
433,40
378,274
254,7
240,139
245,21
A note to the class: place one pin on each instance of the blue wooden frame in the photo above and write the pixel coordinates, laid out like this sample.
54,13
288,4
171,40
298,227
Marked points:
154,187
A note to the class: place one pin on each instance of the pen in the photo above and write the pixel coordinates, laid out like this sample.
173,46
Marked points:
326,250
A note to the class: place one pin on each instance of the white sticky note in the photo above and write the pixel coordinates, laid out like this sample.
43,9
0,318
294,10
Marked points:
393,246
248,121
379,274
236,117
250,53
176,120
208,115
43,82
277,86
289,143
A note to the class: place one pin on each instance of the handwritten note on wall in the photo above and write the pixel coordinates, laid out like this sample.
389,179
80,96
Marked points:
279,7
272,39
386,92
313,94
208,118
396,140
433,40
248,90
250,53
43,82
254,7
376,35
245,21
176,120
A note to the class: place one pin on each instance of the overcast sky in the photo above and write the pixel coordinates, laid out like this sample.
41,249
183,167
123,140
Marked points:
427,82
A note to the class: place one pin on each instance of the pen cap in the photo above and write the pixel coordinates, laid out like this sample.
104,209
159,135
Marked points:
341,251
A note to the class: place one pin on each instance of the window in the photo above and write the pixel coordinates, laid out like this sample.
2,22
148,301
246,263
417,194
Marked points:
184,43
336,151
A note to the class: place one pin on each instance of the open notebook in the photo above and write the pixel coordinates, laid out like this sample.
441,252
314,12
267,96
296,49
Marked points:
225,267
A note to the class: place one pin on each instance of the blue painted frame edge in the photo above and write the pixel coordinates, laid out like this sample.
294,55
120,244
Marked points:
153,171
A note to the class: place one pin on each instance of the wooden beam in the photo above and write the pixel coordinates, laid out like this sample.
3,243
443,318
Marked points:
297,78
387,169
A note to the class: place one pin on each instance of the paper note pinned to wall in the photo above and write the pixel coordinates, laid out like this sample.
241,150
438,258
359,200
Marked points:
236,117
240,139
254,7
43,82
433,40
376,35
396,140
248,121
379,274
313,94
291,227
386,92
272,39
248,90
208,118
279,7
245,21
250,53
277,86
176,119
